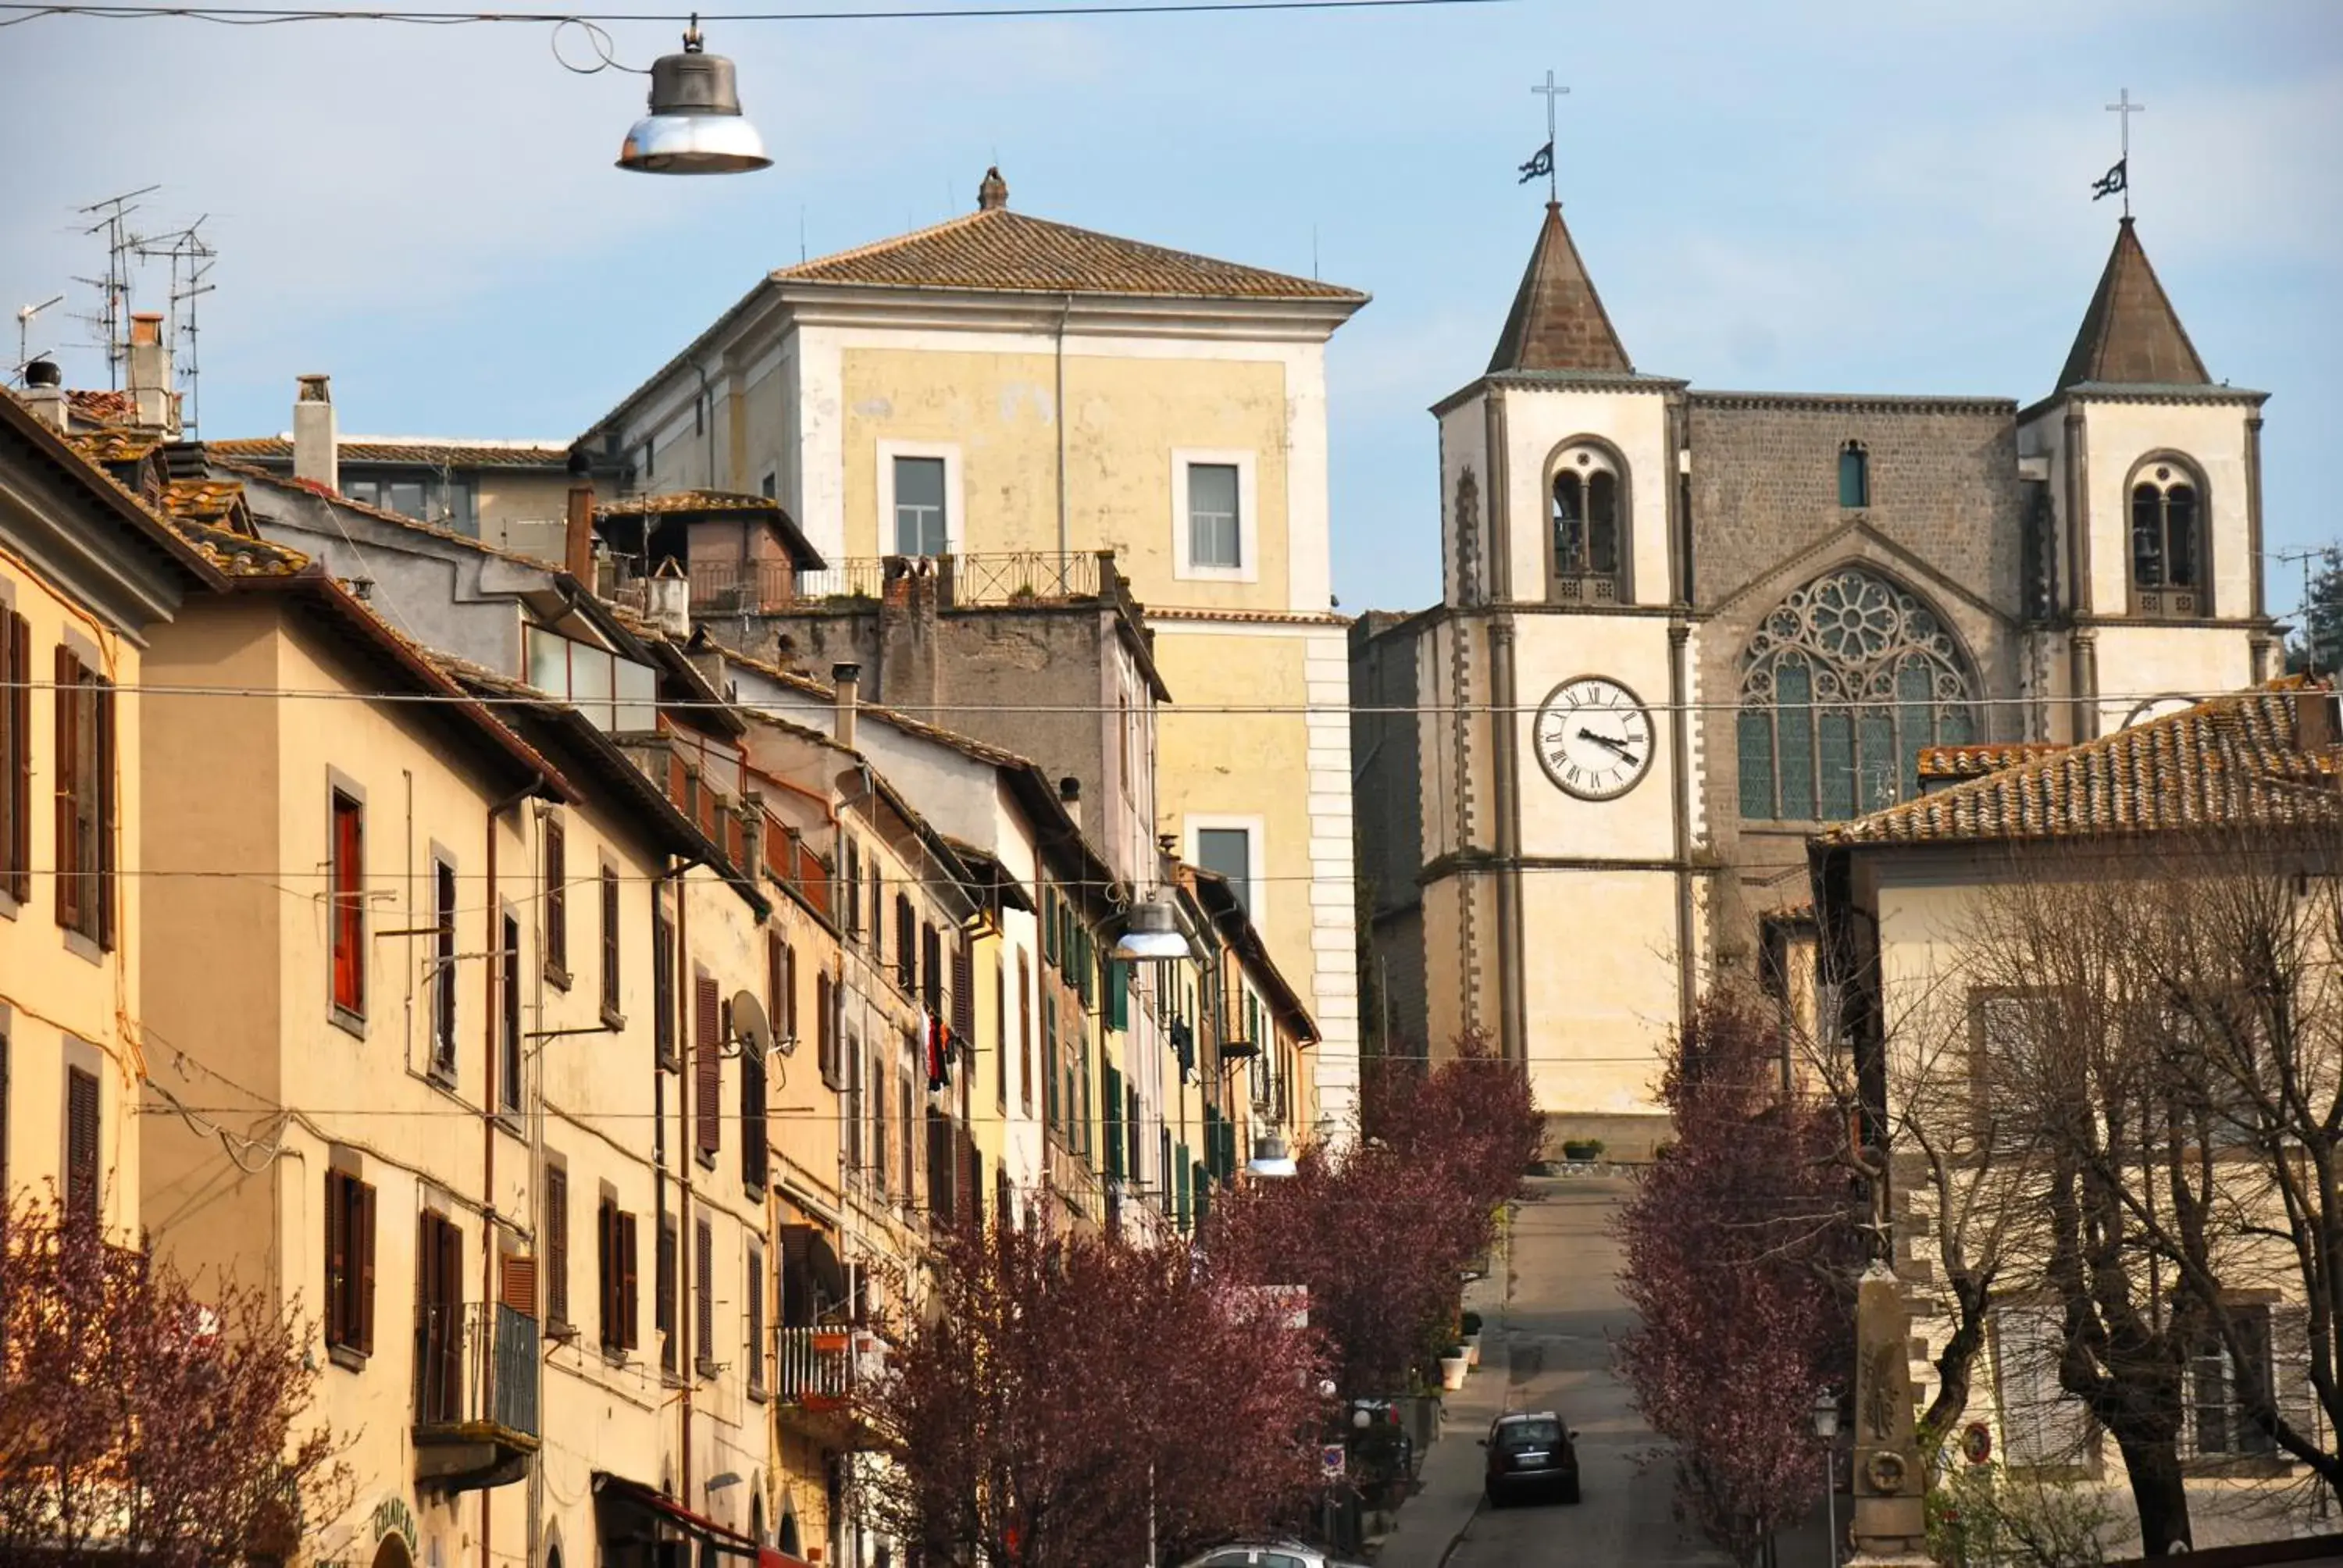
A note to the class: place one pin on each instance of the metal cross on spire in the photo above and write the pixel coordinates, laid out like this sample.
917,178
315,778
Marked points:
2125,109
1550,92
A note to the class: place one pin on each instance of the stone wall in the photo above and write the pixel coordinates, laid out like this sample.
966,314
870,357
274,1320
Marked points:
1386,798
1944,521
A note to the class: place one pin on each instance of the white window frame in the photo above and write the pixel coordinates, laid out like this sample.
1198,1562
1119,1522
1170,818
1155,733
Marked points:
1248,566
1256,832
955,506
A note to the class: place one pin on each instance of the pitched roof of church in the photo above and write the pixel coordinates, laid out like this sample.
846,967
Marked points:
1558,322
995,248
2131,334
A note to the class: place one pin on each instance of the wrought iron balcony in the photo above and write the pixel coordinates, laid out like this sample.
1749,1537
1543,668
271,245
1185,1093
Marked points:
475,1420
818,1372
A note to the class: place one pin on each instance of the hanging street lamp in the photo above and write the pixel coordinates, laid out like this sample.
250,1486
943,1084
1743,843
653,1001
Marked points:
695,126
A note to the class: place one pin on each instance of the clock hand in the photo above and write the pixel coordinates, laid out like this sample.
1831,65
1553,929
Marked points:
1619,746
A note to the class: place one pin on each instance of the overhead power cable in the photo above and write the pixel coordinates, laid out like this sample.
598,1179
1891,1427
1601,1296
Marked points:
270,15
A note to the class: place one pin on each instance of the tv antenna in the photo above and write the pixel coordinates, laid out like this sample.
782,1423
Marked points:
113,217
191,257
25,314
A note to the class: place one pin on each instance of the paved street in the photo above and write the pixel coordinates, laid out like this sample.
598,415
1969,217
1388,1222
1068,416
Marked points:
1563,1307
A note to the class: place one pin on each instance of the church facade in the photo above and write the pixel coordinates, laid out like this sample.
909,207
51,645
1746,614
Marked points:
1681,629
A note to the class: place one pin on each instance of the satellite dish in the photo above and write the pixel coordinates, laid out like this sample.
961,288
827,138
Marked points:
748,1023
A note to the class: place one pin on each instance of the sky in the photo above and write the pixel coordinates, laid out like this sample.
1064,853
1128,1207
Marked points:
1794,196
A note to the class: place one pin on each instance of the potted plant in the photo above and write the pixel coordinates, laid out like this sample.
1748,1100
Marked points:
1470,1337
1452,1365
1581,1150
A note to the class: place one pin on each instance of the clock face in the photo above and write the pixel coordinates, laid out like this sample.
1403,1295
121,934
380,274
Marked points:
1594,738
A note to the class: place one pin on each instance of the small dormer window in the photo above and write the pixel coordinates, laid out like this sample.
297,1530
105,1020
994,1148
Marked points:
2168,548
1854,474
1586,525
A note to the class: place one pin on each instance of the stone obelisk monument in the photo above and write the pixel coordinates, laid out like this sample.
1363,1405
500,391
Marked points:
1890,1525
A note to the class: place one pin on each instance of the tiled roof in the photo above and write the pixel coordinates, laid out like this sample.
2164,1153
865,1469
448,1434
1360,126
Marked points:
2131,333
670,501
1558,322
419,452
239,555
202,500
1943,762
2244,758
115,445
105,406
998,249
1250,617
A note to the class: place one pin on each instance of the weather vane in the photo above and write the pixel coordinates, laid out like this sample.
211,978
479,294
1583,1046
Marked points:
1541,161
2118,180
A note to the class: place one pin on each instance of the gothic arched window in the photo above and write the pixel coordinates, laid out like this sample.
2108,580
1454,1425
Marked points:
1587,525
1840,688
2167,540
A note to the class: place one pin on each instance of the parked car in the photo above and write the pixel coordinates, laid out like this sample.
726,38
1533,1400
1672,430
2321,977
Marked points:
1529,1451
1269,1554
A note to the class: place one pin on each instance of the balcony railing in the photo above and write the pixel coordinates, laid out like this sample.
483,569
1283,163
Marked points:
475,1419
818,1370
958,581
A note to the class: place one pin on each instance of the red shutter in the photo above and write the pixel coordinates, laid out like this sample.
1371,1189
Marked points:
630,1285
363,1246
517,1282
66,852
707,1065
338,1259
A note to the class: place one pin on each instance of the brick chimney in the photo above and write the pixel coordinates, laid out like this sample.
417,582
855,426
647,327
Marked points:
316,445
150,374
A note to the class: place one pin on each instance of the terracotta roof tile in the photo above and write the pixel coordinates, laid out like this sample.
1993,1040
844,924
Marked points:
103,405
686,501
421,453
998,249
2234,760
115,445
1945,762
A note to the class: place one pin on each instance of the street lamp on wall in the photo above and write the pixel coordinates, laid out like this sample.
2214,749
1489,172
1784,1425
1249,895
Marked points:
1826,1429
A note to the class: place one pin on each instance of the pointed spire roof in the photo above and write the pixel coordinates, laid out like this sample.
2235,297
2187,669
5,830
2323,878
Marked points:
1558,322
2131,334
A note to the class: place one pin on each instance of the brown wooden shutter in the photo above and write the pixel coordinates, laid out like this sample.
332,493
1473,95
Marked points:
65,854
517,1282
362,1247
19,782
629,1283
80,1144
963,996
756,1320
102,859
557,900
707,1065
703,1322
338,1328
790,991
557,1244
606,1273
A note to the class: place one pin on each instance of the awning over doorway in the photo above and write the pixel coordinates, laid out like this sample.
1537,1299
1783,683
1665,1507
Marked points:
635,1519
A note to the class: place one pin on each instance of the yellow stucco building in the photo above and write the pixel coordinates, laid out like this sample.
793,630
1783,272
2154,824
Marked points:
1017,393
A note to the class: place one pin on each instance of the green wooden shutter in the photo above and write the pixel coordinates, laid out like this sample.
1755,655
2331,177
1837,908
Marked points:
1180,1192
1117,994
1113,1124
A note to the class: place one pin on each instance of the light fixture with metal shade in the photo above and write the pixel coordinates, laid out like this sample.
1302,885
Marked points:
695,126
1153,932
1270,1157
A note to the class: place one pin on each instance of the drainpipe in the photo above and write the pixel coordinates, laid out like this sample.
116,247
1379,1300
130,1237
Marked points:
495,948
687,1050
1065,308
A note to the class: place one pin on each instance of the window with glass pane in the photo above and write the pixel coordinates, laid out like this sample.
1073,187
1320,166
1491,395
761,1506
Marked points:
1228,852
1841,687
1212,521
1854,475
918,506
